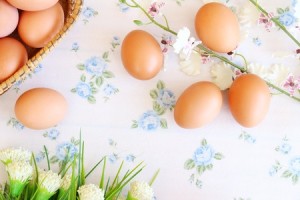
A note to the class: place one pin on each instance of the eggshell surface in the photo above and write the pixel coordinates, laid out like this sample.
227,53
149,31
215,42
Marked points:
37,28
9,18
217,27
249,99
32,5
13,55
141,55
40,108
198,105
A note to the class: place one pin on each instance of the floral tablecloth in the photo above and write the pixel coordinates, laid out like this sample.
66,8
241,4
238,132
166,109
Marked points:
117,117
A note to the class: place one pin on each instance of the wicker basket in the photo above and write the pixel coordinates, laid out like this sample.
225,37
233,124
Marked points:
72,9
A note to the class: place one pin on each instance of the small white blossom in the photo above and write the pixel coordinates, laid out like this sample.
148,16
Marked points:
11,155
259,70
184,44
222,75
66,181
278,74
49,181
20,171
191,67
141,190
248,16
90,192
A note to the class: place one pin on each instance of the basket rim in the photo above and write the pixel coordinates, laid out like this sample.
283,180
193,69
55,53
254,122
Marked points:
74,9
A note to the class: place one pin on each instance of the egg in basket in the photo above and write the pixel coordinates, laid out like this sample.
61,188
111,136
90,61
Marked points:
28,31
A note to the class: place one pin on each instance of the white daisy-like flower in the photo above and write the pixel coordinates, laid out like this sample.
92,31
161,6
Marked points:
222,75
191,67
185,44
259,70
21,171
90,192
278,74
49,181
140,190
14,155
66,182
248,16
19,174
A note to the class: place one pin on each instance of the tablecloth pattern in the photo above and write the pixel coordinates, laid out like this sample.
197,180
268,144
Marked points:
118,115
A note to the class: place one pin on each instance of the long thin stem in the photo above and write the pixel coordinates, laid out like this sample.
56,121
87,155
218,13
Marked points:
215,55
282,27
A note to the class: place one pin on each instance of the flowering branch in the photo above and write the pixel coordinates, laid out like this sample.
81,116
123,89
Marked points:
275,20
210,52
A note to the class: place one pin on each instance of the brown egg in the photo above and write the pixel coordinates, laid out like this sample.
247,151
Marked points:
37,28
32,5
198,105
249,99
9,18
40,108
13,55
141,55
217,27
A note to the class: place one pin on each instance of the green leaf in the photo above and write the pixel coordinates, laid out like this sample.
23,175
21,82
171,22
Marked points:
287,174
134,124
163,124
108,74
99,81
287,9
189,164
80,67
91,99
74,90
122,1
201,169
160,85
138,22
158,109
94,90
105,55
83,78
295,178
280,11
204,142
218,156
209,167
153,94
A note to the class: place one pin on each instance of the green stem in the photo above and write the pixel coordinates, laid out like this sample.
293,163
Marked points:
282,27
166,28
222,58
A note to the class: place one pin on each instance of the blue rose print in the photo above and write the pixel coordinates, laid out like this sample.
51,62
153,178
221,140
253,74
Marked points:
87,13
285,148
65,151
95,66
39,156
149,121
201,161
109,89
15,124
247,137
113,158
75,47
294,166
203,156
84,90
287,18
52,134
130,158
166,99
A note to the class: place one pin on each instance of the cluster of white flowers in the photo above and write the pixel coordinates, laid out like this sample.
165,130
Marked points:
90,192
19,171
141,190
49,181
16,155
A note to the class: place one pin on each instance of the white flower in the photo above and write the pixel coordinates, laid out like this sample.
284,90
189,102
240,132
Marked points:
184,44
66,181
191,67
49,181
259,70
248,16
221,75
10,155
90,192
20,171
141,191
278,74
